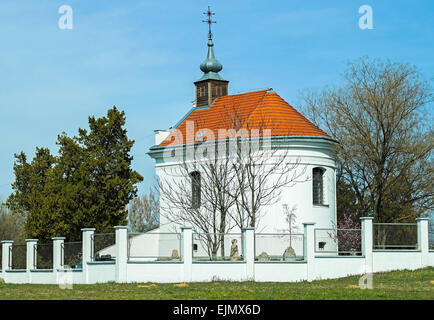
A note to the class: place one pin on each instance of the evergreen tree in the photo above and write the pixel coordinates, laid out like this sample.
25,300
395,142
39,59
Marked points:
88,184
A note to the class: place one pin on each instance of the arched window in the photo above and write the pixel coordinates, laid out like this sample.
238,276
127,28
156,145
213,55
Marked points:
318,185
195,189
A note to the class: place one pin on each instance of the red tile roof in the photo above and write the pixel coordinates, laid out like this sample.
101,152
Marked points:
262,109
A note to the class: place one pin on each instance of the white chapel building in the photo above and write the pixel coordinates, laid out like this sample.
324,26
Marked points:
313,198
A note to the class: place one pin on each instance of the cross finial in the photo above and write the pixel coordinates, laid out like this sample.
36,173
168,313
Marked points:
209,14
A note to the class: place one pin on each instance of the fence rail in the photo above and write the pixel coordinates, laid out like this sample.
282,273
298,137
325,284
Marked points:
72,254
154,246
338,241
279,247
43,256
104,247
395,236
218,247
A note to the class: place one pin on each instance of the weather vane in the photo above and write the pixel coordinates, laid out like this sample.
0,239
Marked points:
209,14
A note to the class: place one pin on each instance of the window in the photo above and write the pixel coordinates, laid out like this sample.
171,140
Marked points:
217,91
195,189
195,247
201,91
318,185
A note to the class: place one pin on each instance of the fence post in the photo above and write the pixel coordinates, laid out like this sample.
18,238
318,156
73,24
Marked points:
187,251
6,263
249,252
31,257
423,240
367,243
121,233
57,255
87,250
309,249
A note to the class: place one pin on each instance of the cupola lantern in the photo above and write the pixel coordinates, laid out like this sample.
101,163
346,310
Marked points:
211,85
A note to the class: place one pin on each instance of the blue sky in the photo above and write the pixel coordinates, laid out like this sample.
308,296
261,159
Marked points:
143,57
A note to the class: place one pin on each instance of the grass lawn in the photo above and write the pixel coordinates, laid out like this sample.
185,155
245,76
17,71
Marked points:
417,284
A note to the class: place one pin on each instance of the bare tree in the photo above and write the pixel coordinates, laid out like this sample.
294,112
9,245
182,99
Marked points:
143,212
197,192
385,134
291,221
11,225
238,173
263,168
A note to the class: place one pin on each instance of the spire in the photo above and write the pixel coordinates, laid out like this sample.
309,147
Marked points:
210,66
211,85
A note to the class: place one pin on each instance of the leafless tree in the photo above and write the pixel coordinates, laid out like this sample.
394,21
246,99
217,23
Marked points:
207,208
11,225
263,167
291,221
386,140
238,172
143,212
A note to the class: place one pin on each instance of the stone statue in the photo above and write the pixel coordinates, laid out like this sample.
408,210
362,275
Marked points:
234,250
263,257
175,255
289,254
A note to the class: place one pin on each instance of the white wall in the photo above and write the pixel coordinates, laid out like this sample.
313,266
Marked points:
101,272
208,271
335,267
431,258
43,277
155,272
310,154
301,195
173,272
16,276
281,272
74,275
389,260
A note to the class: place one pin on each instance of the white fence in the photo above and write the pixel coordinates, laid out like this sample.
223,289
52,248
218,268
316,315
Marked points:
185,256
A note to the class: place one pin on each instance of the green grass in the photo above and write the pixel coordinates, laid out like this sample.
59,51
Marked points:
418,284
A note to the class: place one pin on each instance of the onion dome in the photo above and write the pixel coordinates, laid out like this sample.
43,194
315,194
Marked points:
211,66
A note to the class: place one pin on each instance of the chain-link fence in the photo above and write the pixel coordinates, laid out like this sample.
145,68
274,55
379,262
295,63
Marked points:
43,256
18,253
395,236
279,247
72,254
338,241
218,247
154,246
104,247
